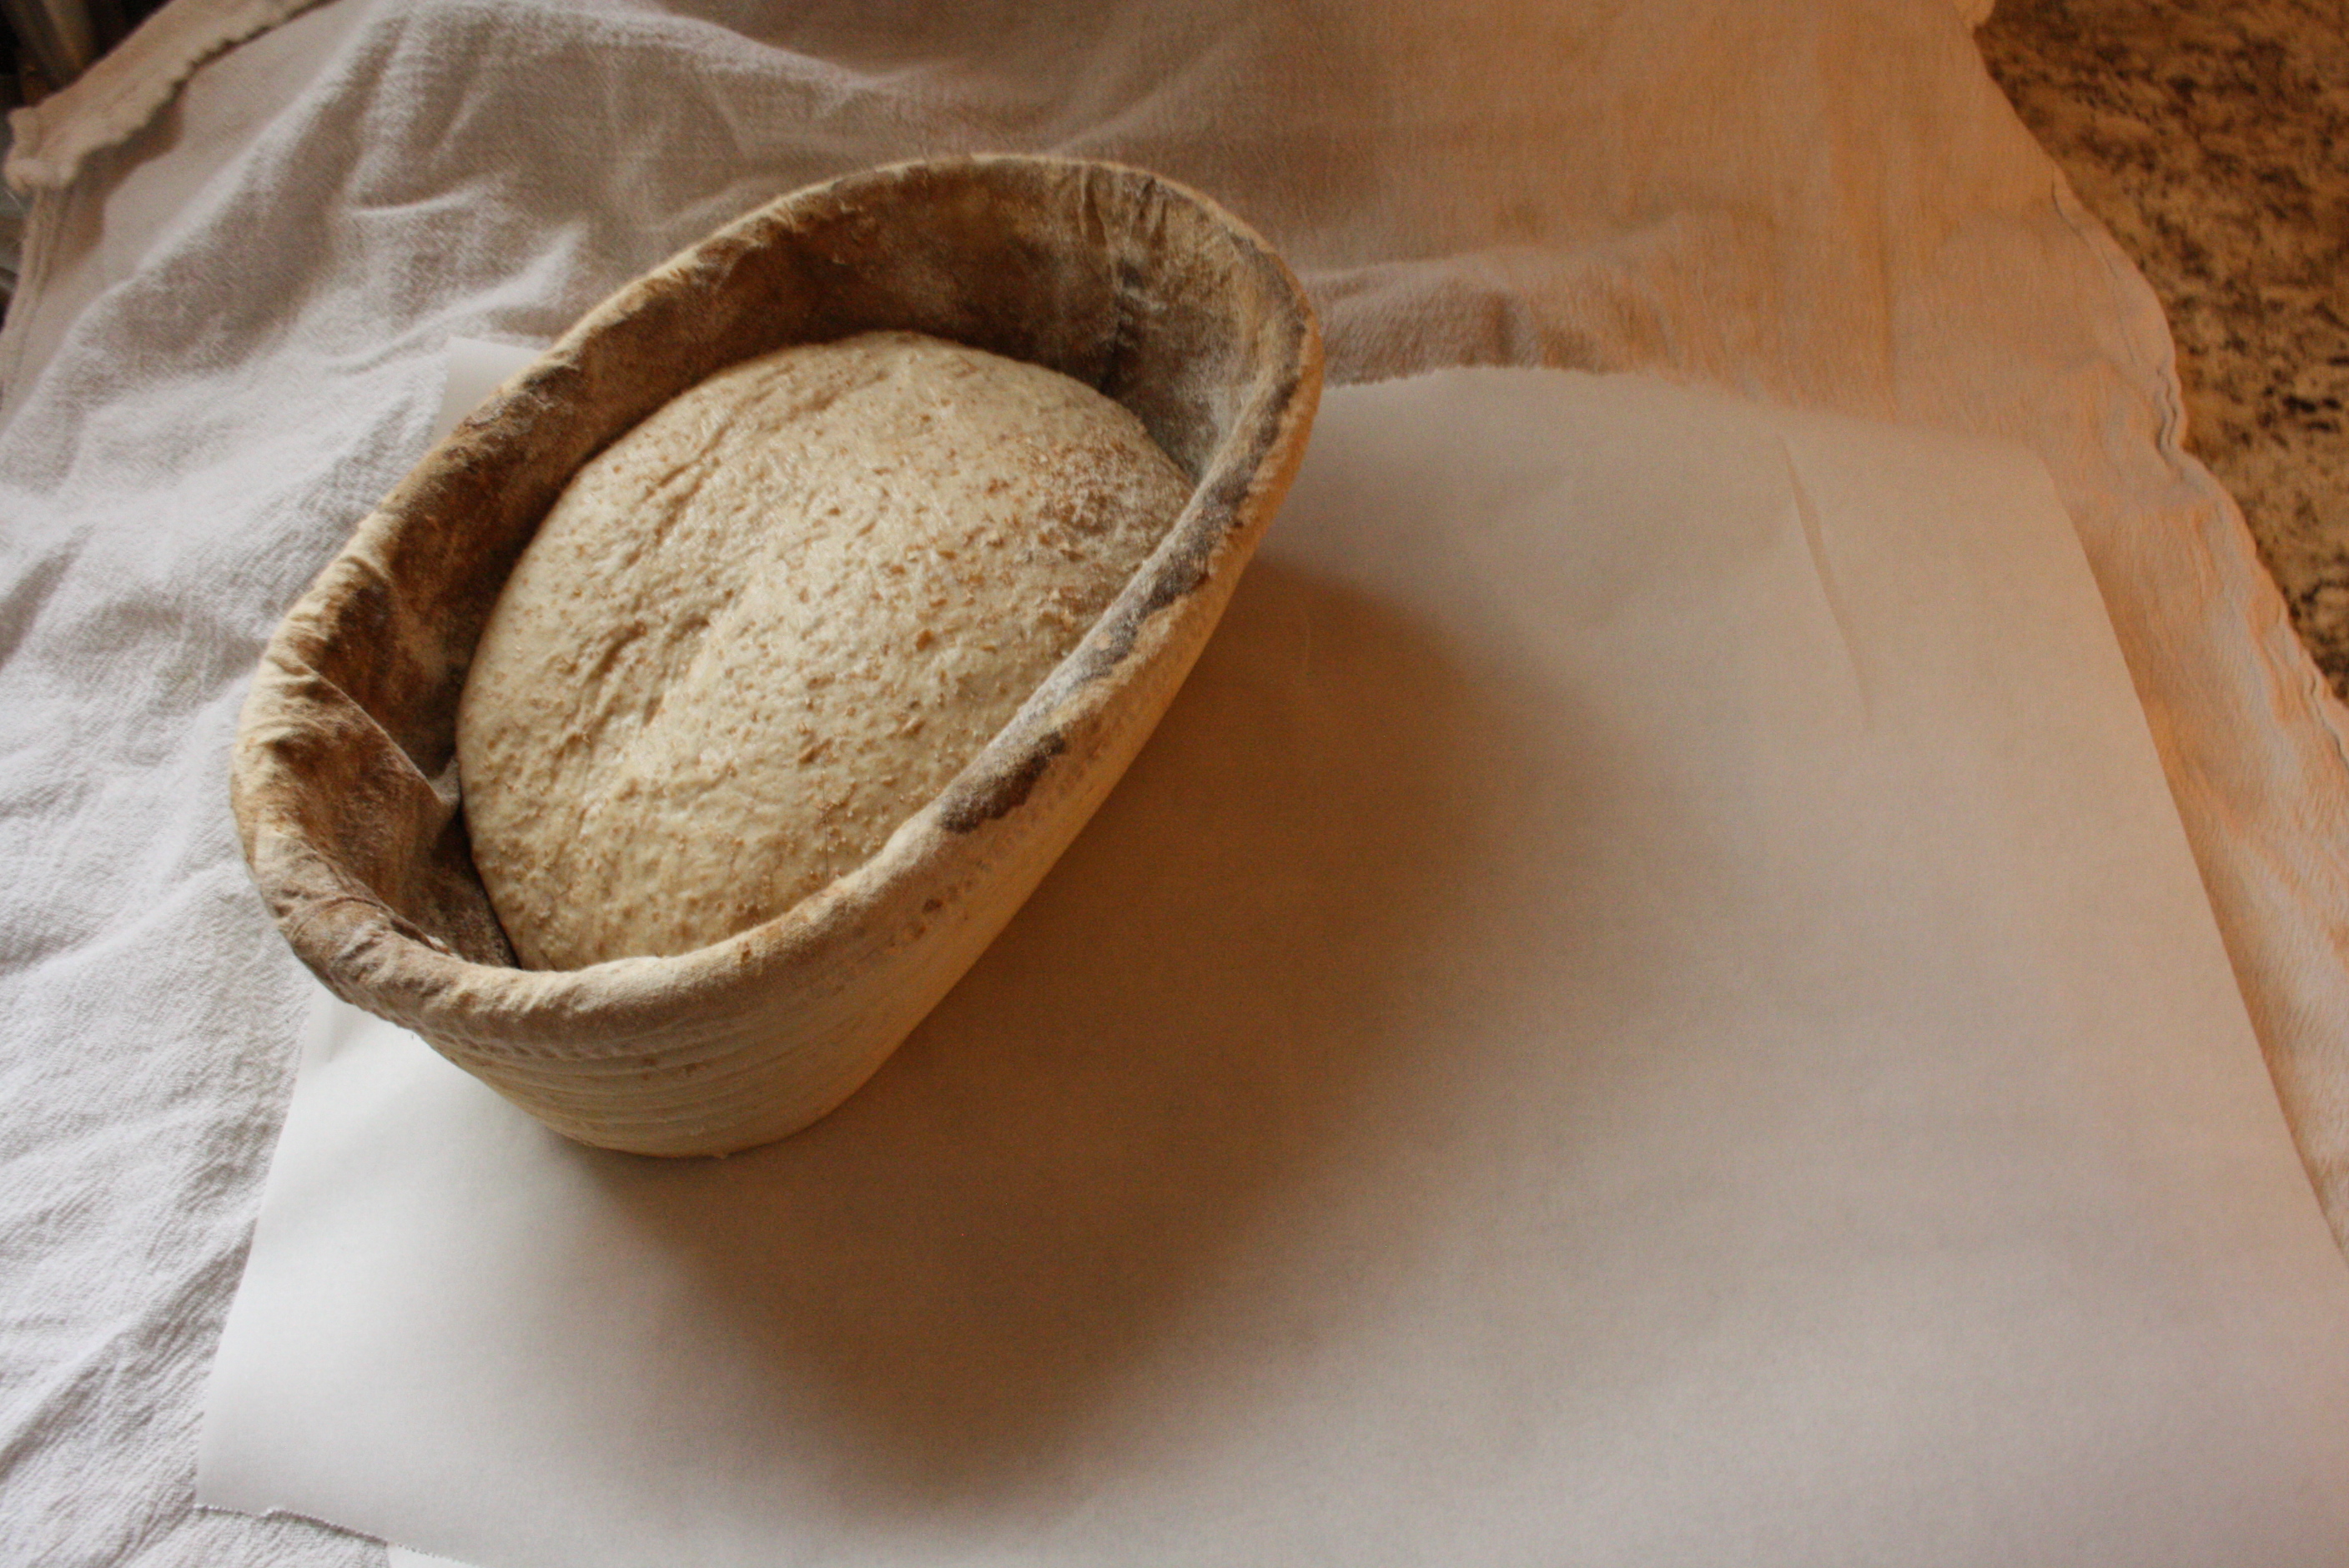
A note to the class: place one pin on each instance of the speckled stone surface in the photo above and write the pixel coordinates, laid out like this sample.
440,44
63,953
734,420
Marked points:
2213,138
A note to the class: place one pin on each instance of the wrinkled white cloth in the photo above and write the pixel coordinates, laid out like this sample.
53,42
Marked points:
119,94
229,344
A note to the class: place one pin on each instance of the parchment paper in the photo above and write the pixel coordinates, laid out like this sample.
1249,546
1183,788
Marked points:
1648,1004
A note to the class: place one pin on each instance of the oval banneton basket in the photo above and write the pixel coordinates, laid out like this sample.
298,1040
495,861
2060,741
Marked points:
345,783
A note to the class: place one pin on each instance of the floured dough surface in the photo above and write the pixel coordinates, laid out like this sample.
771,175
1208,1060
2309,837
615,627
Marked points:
774,621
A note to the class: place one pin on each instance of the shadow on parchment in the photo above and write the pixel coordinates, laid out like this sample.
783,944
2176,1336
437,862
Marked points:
1201,1022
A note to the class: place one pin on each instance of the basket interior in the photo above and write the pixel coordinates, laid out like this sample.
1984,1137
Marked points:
1106,274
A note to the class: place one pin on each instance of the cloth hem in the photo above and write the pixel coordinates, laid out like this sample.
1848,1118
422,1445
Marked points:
116,97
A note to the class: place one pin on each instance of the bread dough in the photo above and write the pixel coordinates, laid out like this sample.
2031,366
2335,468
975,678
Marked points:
774,621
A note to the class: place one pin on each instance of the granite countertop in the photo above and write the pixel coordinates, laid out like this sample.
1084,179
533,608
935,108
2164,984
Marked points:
2213,138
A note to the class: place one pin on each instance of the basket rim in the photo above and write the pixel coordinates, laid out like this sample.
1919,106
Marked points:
367,951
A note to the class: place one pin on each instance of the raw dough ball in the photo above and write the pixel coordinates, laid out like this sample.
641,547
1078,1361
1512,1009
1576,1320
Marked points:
774,621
